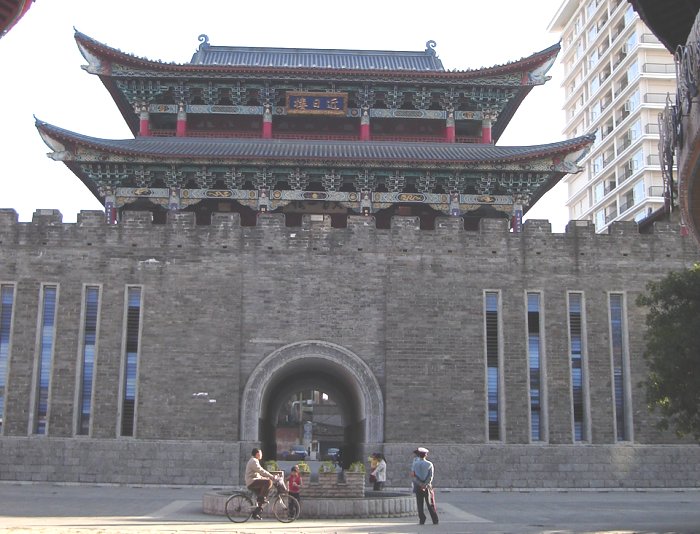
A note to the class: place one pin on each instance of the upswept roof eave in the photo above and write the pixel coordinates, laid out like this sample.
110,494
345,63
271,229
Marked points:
130,148
115,55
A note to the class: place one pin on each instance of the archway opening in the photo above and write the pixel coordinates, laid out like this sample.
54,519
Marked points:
312,403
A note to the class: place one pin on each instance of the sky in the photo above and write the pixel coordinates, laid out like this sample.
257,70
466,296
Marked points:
41,74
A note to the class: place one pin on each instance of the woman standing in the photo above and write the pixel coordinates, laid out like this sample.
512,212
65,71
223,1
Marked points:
379,472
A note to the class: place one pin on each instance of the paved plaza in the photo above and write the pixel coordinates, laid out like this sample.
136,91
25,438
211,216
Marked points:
76,509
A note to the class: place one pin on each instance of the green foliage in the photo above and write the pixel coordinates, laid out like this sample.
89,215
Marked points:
272,465
672,350
304,468
356,467
326,467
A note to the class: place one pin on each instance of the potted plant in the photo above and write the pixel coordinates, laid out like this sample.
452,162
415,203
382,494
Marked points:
304,468
356,467
273,467
327,466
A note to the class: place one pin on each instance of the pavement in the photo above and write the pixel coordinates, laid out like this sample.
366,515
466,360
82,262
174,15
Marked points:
81,509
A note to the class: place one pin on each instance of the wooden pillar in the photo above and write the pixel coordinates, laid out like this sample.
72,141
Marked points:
181,127
267,123
144,119
450,127
364,125
486,130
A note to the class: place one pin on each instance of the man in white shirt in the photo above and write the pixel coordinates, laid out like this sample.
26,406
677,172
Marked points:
258,480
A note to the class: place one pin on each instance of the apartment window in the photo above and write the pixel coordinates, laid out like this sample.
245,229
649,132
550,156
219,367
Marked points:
7,297
47,334
600,219
638,192
598,191
87,363
534,354
493,363
131,356
618,347
631,42
629,15
577,369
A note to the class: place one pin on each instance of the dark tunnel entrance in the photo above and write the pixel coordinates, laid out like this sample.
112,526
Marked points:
311,403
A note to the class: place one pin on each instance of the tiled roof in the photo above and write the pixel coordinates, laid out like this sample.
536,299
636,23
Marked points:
275,149
240,56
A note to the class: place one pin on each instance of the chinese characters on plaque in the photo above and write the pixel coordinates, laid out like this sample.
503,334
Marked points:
317,103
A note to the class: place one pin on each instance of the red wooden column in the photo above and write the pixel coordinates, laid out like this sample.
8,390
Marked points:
486,130
267,123
364,125
144,127
450,127
181,127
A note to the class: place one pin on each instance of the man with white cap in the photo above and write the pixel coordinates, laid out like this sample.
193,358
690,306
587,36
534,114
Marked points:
423,485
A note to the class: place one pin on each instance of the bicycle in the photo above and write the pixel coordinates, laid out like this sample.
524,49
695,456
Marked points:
241,504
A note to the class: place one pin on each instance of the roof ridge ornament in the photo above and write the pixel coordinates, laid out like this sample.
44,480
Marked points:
203,40
430,47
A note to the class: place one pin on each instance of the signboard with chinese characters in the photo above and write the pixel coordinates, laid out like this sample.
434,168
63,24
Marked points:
317,104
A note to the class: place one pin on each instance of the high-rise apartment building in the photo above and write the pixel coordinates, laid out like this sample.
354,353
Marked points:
617,76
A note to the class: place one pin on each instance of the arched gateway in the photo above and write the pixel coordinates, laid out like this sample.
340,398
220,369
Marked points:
314,364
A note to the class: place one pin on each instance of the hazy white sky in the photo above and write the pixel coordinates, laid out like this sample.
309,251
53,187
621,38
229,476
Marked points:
41,75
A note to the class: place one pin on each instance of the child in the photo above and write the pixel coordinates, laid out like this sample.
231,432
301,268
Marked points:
294,485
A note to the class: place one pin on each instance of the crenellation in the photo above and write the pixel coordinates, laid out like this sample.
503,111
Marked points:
623,228
399,223
47,217
8,216
181,219
537,226
361,222
493,226
136,219
225,220
449,225
91,218
579,228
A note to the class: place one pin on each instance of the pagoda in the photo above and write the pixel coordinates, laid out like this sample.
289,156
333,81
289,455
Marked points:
314,131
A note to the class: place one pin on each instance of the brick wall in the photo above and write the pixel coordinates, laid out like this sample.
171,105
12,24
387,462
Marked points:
409,303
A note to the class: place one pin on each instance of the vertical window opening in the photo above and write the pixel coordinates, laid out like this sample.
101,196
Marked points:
46,344
91,304
7,293
535,361
133,320
493,364
576,355
618,357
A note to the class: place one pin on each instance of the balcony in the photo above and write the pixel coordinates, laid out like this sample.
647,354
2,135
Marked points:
655,191
657,98
659,68
649,38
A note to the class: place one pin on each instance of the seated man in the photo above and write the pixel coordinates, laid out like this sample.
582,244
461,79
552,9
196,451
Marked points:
258,480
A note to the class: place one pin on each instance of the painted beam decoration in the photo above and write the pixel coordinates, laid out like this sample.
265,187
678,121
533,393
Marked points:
317,103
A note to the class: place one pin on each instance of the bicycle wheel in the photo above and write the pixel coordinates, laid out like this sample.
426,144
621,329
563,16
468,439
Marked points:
239,508
286,508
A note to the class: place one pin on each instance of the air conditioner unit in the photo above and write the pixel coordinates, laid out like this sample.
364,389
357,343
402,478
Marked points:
627,106
631,166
